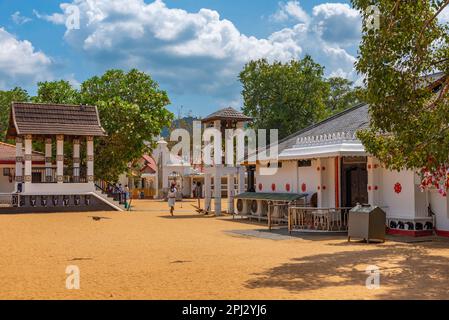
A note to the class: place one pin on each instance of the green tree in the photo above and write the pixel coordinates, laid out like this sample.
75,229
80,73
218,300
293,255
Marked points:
6,98
409,110
284,96
59,92
342,94
133,111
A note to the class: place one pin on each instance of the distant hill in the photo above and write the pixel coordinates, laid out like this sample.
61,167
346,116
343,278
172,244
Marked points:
186,122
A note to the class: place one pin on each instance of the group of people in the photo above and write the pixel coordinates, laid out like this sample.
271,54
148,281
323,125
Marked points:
122,193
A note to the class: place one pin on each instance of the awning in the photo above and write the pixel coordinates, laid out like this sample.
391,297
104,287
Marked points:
271,196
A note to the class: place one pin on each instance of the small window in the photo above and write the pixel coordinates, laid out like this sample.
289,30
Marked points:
6,172
304,163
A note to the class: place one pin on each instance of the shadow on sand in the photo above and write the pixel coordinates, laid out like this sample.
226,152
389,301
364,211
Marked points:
412,273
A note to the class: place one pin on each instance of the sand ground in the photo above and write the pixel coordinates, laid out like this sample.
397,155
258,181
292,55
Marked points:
145,254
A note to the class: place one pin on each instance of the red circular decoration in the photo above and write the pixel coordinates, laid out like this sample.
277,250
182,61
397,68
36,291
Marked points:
369,188
398,188
369,166
376,166
273,187
303,187
319,188
323,168
260,187
324,187
287,187
376,188
318,168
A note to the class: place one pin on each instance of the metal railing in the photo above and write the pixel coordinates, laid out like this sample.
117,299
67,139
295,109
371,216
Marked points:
323,219
111,191
49,175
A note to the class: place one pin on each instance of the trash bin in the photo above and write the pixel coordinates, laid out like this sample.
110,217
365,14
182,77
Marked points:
366,222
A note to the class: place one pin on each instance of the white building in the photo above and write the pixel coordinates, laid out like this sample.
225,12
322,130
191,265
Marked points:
328,160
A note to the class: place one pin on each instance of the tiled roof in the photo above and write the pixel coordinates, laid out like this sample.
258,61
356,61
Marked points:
150,163
348,121
227,114
53,119
8,153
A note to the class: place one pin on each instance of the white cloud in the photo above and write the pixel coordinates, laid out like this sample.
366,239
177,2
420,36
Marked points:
20,63
290,10
201,52
56,18
444,15
18,19
337,23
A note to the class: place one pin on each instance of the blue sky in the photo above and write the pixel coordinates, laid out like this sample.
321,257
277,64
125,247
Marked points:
193,48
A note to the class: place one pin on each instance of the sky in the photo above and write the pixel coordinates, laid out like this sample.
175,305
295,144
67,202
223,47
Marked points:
194,49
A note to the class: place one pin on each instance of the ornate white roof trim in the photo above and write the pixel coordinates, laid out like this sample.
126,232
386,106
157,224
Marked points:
327,145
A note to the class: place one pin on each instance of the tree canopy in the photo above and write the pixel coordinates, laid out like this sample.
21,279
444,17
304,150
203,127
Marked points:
409,110
291,96
6,98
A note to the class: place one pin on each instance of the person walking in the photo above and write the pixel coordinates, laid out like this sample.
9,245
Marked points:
172,198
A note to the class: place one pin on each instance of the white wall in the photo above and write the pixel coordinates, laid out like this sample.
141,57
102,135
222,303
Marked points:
402,204
285,175
440,206
309,176
58,188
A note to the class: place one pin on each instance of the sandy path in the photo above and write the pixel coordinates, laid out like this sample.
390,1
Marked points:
147,255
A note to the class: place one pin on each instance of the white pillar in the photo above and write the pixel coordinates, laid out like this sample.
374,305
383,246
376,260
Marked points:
48,151
28,158
373,168
241,179
90,159
19,161
60,158
217,190
207,191
76,160
320,183
231,191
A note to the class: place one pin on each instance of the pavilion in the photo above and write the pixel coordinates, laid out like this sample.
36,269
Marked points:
64,182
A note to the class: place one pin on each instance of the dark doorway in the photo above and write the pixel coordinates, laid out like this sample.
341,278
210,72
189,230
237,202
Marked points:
354,181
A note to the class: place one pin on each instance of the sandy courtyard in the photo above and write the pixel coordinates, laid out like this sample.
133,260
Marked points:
145,254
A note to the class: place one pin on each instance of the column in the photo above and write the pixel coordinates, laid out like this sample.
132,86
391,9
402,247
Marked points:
19,161
60,158
320,183
241,180
28,158
373,168
217,190
76,160
90,159
207,191
337,181
231,191
48,162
